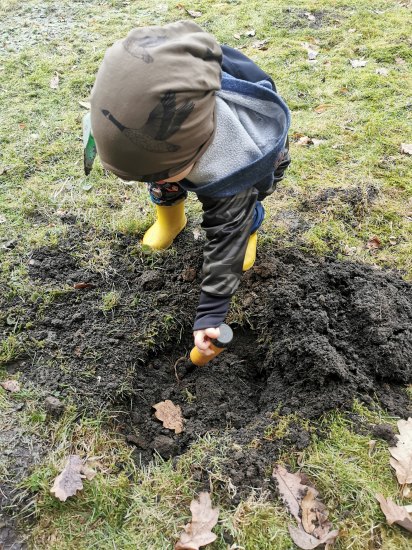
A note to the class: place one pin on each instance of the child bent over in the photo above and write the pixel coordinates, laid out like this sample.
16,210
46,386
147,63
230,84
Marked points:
173,108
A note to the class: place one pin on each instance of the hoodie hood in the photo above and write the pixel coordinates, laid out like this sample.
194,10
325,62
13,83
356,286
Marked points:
252,122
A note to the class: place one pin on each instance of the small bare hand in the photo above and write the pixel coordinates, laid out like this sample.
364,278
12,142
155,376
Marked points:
203,339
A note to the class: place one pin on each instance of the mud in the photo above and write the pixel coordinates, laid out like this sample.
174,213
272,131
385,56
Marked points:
310,336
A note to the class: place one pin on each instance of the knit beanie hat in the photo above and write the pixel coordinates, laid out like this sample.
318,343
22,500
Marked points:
153,102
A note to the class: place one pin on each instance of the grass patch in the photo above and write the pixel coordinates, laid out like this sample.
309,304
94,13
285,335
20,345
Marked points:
43,190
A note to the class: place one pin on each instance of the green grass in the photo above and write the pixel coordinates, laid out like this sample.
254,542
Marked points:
42,179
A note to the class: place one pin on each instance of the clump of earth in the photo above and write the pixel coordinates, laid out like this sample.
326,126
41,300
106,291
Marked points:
311,335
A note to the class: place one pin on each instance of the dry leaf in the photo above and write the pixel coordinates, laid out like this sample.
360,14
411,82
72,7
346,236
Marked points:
310,16
406,148
399,61
308,542
322,108
260,44
197,234
194,14
170,414
11,385
407,493
78,286
382,71
401,459
357,63
311,515
305,140
198,532
237,36
373,243
69,481
252,32
54,81
85,104
312,55
394,513
290,489
308,505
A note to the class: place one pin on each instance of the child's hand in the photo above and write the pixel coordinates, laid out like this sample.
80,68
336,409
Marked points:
203,338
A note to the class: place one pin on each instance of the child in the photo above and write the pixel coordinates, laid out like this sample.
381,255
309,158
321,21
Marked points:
173,108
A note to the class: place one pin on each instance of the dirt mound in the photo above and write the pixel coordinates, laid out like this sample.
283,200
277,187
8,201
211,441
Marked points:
316,334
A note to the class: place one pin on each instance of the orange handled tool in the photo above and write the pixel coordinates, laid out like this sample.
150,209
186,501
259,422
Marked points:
217,346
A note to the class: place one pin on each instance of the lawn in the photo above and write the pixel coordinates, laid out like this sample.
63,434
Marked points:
337,238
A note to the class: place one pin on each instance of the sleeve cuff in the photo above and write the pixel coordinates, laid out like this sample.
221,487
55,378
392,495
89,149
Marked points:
211,311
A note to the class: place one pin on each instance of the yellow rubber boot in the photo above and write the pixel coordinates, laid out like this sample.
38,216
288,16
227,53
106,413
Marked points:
169,223
250,255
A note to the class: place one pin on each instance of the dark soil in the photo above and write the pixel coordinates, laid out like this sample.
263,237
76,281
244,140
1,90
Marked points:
318,333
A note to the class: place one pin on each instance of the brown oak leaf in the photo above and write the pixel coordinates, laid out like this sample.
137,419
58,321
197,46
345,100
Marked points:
308,542
290,489
170,414
198,532
406,148
401,459
69,481
394,513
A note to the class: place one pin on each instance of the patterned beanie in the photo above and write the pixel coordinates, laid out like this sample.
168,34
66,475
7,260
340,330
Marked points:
153,102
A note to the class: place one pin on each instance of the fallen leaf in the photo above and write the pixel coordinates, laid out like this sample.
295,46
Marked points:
308,542
197,234
351,30
399,61
290,488
170,414
401,459
54,81
69,481
406,148
322,108
260,44
310,16
237,36
312,55
85,104
252,32
382,71
394,513
194,13
357,63
311,514
305,140
374,243
308,505
198,532
407,493
11,385
79,286
3,219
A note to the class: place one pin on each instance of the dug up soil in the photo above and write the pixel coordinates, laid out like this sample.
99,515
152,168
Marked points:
310,336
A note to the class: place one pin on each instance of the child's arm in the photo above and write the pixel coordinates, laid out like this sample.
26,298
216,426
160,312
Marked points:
227,222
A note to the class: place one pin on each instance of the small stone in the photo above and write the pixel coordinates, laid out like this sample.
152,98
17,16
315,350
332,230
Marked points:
53,406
